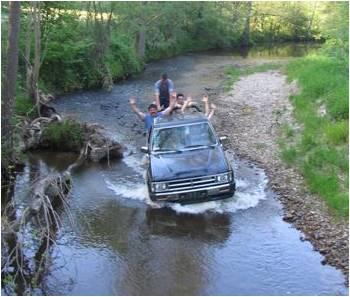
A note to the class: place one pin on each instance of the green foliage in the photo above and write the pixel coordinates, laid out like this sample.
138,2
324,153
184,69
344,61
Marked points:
68,64
23,106
285,21
122,58
337,133
335,28
289,155
322,151
64,136
83,42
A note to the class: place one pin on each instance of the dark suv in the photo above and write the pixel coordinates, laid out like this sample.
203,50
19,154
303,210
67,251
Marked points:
187,163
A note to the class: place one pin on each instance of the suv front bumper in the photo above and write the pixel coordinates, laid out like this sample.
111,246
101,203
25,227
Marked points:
198,195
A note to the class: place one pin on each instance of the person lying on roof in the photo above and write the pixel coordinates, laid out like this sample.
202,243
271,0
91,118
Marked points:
209,110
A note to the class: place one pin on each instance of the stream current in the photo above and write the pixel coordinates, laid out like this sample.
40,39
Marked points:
117,242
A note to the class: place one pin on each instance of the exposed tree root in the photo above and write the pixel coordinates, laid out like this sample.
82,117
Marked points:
38,223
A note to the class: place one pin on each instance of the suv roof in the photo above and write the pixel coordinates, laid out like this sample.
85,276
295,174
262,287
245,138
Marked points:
179,120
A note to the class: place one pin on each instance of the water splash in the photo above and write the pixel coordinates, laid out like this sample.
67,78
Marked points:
247,195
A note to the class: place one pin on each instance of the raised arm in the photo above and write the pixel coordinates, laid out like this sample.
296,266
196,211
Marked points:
195,106
186,104
171,106
132,101
206,105
170,85
156,94
211,113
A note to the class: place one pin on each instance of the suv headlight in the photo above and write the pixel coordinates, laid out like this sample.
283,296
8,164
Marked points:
224,178
159,187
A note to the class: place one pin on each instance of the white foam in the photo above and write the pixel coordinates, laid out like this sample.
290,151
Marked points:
239,201
245,197
135,160
135,163
240,183
133,191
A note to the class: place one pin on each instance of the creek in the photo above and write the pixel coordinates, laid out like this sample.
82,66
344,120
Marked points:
116,242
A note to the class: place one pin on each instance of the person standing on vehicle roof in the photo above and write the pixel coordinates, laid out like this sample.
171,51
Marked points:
152,113
163,88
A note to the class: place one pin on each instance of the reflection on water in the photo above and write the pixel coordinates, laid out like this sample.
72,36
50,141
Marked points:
49,160
280,50
209,227
270,50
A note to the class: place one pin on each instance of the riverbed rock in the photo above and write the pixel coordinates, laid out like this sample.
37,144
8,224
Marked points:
100,145
252,115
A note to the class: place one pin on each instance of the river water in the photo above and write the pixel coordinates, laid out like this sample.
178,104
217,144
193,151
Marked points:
116,242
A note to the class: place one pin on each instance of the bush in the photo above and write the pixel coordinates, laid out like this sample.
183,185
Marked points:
23,106
63,136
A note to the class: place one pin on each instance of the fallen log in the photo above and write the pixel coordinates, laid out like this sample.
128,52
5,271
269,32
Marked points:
41,215
48,196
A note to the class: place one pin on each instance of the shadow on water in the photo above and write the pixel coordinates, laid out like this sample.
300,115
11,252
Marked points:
207,227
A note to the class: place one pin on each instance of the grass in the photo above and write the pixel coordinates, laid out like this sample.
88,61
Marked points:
337,133
65,136
320,151
321,154
234,73
287,130
289,155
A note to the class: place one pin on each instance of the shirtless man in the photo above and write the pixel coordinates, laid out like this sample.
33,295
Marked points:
209,111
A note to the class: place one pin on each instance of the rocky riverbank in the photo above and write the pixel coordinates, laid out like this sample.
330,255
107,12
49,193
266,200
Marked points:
252,114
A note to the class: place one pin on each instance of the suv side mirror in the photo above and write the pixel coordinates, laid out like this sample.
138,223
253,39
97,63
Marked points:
144,149
223,139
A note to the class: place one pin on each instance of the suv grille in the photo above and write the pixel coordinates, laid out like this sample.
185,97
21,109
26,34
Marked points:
192,183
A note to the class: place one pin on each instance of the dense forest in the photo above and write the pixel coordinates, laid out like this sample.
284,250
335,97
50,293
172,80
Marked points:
72,45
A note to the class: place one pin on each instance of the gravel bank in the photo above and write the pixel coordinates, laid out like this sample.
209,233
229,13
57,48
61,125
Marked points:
252,115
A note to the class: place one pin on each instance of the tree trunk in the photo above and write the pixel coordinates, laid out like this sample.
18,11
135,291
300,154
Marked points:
37,53
246,31
9,86
141,43
28,43
308,34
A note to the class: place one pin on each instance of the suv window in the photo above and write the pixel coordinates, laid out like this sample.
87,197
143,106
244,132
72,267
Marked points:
190,136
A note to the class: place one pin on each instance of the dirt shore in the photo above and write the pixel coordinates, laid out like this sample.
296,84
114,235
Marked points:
252,115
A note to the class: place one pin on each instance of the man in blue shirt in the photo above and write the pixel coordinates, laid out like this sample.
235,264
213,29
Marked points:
152,113
163,88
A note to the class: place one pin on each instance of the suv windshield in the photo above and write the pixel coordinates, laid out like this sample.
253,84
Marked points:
178,138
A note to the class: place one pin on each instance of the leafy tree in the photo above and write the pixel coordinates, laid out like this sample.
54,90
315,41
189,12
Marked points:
335,29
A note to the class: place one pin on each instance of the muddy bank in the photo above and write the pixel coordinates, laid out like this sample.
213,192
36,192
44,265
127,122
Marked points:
252,115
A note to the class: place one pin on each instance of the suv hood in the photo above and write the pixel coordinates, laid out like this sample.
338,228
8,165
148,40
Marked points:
187,164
